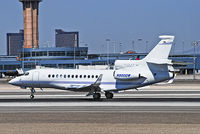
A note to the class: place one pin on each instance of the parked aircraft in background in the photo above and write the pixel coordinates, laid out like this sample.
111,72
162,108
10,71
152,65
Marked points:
128,74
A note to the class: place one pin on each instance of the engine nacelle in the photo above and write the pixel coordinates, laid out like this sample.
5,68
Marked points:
126,75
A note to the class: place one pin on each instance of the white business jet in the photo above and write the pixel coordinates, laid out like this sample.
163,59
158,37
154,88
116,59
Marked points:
154,68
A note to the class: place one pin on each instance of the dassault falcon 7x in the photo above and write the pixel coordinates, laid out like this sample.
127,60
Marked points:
127,74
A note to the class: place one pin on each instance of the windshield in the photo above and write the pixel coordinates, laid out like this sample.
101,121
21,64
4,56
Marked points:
26,73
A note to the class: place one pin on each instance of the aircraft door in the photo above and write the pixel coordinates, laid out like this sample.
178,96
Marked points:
35,76
35,79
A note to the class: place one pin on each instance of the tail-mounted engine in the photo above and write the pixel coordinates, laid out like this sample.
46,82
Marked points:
126,75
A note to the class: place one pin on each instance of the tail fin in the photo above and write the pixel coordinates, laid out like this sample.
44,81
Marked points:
162,50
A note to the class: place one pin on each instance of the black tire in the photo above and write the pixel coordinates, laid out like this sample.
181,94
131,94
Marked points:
109,95
96,96
31,97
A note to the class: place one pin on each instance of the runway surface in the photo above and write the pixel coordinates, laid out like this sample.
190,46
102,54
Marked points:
145,100
161,109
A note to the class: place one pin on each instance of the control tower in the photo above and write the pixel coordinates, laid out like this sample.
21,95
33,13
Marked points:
31,30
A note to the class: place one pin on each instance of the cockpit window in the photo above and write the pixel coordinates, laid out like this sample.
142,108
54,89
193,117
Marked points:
27,73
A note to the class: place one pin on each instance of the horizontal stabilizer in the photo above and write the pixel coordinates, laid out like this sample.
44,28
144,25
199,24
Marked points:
160,61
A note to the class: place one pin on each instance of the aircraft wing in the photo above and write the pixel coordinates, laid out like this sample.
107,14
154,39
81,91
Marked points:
80,87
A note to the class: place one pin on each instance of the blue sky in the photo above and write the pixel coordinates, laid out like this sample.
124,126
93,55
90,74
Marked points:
122,21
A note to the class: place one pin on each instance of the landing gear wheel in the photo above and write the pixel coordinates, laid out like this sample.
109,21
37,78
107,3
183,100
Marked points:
32,93
31,96
96,96
109,95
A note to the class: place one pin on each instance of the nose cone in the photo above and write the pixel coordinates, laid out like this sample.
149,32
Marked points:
171,75
15,81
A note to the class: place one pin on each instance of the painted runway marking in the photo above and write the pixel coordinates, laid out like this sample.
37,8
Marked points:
100,104
116,95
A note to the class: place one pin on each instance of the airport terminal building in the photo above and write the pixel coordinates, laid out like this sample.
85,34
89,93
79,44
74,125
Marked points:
73,57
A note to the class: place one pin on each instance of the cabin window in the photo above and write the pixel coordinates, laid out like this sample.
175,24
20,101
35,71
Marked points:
49,76
96,76
76,76
65,76
88,76
92,76
80,76
72,76
68,76
53,75
57,76
61,76
84,76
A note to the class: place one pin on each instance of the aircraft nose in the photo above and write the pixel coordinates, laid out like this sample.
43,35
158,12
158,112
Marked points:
14,81
171,74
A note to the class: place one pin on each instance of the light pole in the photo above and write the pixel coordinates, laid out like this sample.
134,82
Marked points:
120,48
86,45
140,42
147,46
35,56
108,40
194,44
114,47
174,48
183,46
22,55
133,44
74,58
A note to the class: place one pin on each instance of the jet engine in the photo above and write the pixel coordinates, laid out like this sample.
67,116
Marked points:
126,75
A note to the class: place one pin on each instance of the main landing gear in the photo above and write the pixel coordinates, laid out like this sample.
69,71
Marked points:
96,96
32,93
109,95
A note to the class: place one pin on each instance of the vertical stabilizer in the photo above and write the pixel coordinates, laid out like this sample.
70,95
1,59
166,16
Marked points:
162,50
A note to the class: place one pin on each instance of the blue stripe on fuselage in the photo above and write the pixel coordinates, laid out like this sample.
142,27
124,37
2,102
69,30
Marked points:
78,82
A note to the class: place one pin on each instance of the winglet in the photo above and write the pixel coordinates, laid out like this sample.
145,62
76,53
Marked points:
98,81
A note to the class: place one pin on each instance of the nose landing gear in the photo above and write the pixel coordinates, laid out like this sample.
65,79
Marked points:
32,93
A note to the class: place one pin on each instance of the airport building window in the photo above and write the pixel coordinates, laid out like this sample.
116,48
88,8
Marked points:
29,65
83,53
11,67
57,53
49,65
70,53
77,53
25,54
33,54
65,65
42,53
1,67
